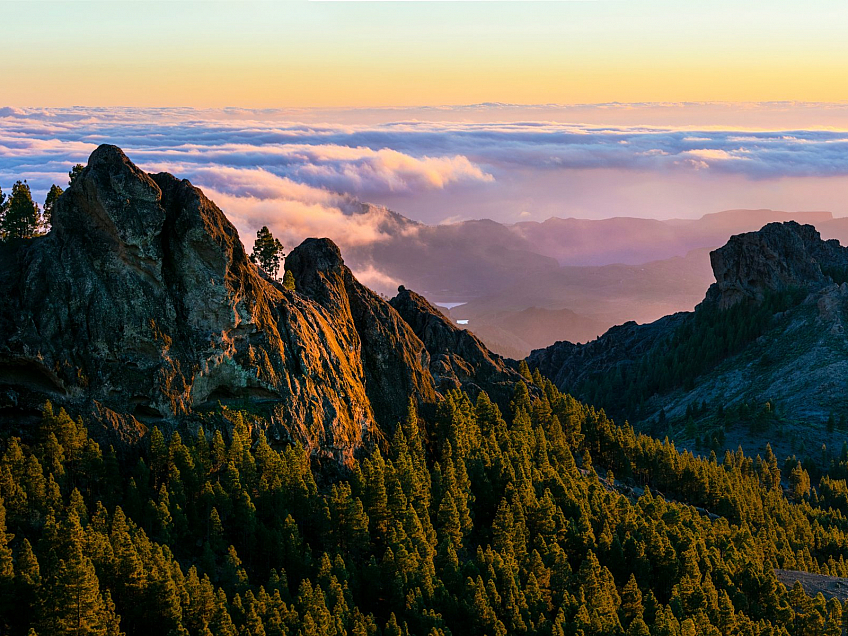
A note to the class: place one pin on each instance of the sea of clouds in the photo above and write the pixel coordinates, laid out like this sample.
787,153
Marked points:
303,177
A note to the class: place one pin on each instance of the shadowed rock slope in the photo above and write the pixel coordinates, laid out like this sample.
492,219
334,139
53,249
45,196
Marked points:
771,329
142,306
458,360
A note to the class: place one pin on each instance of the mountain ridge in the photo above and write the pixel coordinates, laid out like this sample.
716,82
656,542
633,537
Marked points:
141,306
498,270
770,330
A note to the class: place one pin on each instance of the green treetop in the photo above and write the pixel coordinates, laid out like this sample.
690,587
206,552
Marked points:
267,251
20,218
75,172
54,193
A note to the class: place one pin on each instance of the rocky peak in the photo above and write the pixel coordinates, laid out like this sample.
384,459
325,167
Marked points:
320,273
112,202
395,361
141,307
777,257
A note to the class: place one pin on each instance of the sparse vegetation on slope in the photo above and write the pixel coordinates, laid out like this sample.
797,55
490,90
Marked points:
703,339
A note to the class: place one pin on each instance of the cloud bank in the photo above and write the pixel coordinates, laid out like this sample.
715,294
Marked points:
306,178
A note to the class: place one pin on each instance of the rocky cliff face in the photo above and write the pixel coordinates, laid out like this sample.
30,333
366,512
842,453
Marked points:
394,361
777,257
798,361
458,360
141,306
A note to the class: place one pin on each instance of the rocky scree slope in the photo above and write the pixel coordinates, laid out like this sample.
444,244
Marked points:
798,360
141,306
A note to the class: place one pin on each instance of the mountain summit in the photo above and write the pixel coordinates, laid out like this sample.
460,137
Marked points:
780,256
141,306
769,338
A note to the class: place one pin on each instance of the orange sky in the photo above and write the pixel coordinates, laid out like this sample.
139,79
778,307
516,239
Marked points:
299,53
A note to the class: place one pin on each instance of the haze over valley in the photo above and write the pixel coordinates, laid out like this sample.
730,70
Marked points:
543,231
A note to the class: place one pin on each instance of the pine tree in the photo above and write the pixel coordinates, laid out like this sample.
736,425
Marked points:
73,602
21,217
219,451
27,571
74,173
233,575
129,575
7,570
158,456
216,532
449,520
631,602
52,196
221,623
288,280
774,470
727,618
799,482
71,434
638,628
27,583
267,251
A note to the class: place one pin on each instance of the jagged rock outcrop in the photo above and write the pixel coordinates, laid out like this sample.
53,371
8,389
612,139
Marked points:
777,257
797,360
142,306
458,360
394,360
780,256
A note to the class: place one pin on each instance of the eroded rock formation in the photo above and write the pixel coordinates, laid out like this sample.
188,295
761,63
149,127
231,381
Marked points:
777,257
142,306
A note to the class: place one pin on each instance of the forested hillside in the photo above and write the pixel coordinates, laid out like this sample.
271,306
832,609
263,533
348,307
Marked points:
476,522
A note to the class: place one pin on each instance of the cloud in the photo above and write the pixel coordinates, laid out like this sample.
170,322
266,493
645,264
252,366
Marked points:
304,177
293,211
292,220
8,111
377,280
363,170
408,157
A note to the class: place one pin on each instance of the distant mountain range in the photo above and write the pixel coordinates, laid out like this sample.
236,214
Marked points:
527,285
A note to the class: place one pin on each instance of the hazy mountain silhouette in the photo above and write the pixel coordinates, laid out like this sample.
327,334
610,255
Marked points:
578,276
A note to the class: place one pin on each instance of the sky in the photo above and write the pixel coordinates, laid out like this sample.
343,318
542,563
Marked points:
363,54
289,112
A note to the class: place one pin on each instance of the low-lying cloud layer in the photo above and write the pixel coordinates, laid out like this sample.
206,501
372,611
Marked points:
305,178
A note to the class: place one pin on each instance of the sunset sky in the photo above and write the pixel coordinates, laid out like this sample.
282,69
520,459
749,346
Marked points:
443,111
301,53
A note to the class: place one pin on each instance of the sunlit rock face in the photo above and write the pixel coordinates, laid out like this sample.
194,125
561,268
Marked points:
458,360
141,306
